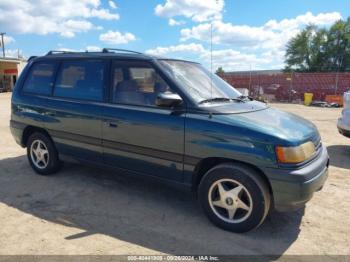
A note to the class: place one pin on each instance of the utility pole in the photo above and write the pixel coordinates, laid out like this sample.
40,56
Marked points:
3,44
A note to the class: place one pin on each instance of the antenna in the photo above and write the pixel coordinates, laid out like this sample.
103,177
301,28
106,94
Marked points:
250,79
211,54
211,59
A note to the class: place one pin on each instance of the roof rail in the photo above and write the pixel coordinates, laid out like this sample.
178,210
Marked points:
107,50
104,50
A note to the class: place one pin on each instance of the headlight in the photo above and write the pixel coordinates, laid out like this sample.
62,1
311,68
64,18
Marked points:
295,154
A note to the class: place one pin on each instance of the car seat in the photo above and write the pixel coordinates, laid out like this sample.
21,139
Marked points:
127,92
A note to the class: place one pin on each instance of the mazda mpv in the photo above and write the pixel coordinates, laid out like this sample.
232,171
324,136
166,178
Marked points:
173,120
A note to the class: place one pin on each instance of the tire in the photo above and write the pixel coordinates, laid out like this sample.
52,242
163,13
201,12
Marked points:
245,195
42,154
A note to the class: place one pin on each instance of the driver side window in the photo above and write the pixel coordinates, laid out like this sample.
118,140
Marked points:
137,85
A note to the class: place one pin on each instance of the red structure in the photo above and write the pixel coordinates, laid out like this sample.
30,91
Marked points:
286,86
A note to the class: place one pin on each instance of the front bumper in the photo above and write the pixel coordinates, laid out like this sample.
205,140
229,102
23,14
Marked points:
344,132
343,127
343,123
292,188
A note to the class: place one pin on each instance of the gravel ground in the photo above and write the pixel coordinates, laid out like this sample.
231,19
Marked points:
89,211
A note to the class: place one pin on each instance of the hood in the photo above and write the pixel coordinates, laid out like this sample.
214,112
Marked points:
234,107
281,127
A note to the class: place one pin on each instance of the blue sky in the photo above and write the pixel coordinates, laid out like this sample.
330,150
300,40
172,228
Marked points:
246,34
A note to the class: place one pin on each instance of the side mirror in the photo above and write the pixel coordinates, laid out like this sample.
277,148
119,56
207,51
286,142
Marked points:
168,99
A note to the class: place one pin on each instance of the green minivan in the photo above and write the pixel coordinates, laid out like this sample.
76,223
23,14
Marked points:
172,120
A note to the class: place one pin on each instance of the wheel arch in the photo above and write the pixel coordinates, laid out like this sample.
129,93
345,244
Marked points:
206,164
29,130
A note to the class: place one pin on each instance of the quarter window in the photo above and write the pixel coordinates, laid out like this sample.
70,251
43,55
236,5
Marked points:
81,80
40,79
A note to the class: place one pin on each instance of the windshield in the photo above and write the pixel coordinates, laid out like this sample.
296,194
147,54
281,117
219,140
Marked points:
199,83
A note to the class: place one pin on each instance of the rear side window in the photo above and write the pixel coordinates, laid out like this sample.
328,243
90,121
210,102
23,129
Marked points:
82,79
40,78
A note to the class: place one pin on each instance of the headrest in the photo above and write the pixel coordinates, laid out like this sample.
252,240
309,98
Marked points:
127,86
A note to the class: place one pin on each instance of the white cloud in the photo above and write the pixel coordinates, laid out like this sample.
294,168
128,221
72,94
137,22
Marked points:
115,37
112,4
197,10
321,19
13,53
271,34
104,14
67,49
266,43
250,46
42,17
229,59
8,39
92,48
227,33
173,22
73,26
187,48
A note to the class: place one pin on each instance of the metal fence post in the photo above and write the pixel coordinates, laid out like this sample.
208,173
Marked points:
336,82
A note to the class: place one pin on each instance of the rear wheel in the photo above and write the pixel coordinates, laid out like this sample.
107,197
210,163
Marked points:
42,154
234,197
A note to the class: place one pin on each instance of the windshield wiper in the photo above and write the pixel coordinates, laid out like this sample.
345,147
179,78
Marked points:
242,98
215,99
225,99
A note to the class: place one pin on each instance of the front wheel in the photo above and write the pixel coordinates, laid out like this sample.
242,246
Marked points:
234,197
42,154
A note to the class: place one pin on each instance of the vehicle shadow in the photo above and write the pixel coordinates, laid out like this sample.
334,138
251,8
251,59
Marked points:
139,211
339,156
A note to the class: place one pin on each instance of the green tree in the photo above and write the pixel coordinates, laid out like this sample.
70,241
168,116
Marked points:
220,71
315,49
318,51
338,46
299,50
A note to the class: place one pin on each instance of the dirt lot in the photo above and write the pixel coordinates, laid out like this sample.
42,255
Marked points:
88,211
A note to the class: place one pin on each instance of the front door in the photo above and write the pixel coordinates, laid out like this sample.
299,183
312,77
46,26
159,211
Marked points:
137,134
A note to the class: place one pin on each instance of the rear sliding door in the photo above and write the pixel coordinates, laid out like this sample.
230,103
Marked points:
75,108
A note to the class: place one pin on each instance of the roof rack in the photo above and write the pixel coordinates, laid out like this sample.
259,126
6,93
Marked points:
107,50
104,50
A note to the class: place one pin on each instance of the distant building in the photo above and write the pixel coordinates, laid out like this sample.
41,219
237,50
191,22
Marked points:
10,69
